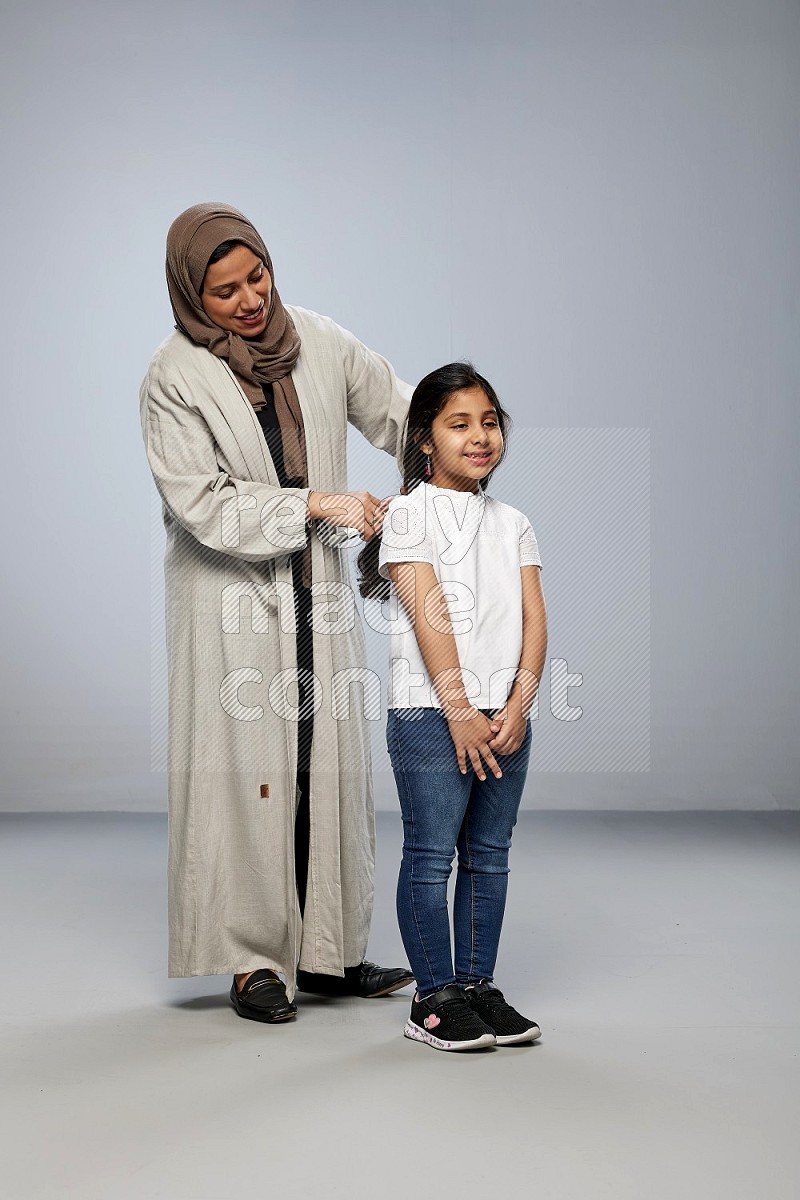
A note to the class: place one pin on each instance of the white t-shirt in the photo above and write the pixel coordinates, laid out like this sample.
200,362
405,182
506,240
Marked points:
476,545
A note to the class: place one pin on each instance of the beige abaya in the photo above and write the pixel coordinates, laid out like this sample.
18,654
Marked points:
230,530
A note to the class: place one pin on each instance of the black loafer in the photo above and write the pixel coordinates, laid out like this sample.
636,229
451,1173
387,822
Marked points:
366,980
263,998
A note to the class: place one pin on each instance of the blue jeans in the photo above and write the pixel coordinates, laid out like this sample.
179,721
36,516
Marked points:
444,812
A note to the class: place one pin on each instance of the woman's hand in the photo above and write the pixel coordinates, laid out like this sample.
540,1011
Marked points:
471,732
512,733
351,510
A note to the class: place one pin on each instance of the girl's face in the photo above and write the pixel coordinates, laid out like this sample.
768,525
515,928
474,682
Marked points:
236,292
465,443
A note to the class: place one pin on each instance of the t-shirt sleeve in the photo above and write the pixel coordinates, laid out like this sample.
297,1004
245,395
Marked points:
528,546
405,537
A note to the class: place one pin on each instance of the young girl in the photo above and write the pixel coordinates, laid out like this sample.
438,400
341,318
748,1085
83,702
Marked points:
465,669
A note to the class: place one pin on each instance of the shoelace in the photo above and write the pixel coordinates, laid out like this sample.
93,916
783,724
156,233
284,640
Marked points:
495,1010
494,1000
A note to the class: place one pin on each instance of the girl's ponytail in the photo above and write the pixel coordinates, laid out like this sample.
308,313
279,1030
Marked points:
371,585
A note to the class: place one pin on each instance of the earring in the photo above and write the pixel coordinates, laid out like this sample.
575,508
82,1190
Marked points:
427,464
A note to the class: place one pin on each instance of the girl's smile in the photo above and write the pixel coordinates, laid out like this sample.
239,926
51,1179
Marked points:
465,443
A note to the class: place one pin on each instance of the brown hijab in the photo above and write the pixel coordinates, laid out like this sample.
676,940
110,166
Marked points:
269,358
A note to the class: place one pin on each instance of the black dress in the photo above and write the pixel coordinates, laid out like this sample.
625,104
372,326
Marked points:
305,658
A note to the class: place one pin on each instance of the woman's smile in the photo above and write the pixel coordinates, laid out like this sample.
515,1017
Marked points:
255,318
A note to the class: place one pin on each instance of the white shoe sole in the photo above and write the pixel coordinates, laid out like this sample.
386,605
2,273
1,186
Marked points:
513,1039
422,1035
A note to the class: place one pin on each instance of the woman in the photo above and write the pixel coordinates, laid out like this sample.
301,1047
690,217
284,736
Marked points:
244,413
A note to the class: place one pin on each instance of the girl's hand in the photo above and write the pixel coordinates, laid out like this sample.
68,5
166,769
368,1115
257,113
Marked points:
351,510
471,733
513,729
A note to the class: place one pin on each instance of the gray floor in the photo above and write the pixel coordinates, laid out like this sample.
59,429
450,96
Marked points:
658,952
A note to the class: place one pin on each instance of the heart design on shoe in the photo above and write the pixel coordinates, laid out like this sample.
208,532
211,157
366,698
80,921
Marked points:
431,1022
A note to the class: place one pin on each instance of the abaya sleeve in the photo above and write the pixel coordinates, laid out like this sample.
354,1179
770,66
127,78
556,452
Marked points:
377,401
245,519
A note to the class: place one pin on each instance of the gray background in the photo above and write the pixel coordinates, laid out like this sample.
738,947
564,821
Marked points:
596,203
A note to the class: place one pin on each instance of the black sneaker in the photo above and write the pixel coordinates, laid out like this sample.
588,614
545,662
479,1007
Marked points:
446,1022
489,1003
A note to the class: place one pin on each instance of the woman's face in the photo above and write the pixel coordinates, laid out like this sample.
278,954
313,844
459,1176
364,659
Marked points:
236,292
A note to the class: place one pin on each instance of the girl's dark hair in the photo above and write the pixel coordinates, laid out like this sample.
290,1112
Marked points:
429,398
222,250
